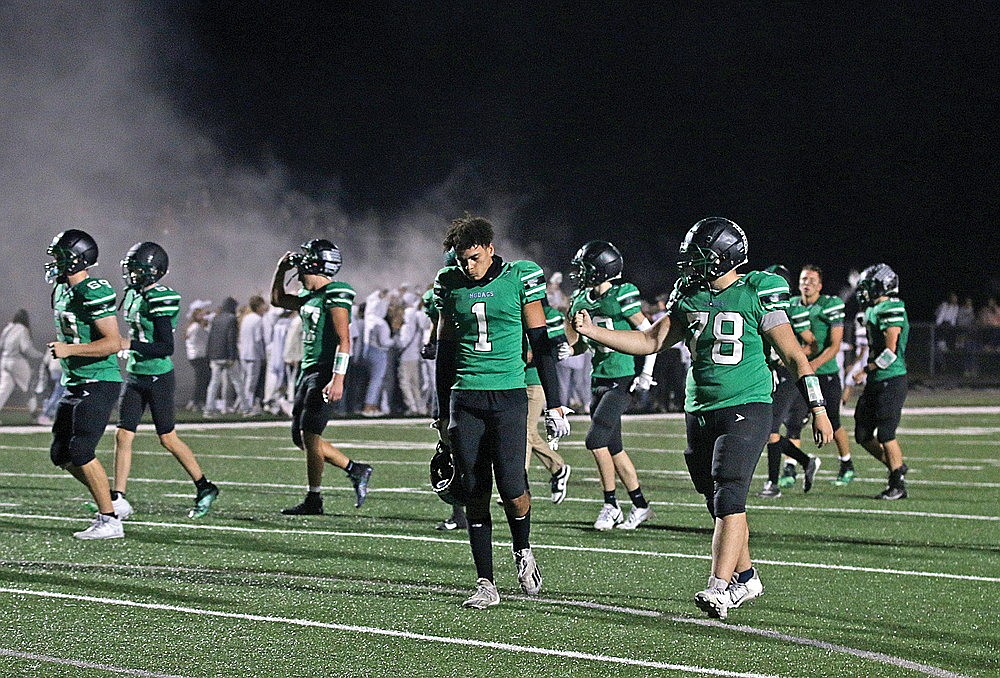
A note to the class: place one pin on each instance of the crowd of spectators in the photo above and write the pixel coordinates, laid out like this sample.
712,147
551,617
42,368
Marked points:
963,333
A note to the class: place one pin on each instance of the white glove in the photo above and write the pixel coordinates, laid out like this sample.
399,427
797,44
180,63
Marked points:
564,351
556,426
642,382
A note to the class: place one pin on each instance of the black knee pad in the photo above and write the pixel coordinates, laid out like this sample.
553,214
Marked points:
700,476
863,433
81,448
732,470
479,512
59,452
606,424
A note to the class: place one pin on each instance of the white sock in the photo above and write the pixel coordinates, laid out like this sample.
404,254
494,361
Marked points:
845,459
315,488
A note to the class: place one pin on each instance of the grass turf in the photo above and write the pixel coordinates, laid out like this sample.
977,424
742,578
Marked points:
377,592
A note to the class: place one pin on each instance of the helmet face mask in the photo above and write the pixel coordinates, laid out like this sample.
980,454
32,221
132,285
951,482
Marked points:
144,265
73,251
711,248
878,280
596,262
443,475
318,257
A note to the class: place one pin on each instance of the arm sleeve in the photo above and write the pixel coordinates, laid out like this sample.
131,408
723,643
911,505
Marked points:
444,368
163,340
545,361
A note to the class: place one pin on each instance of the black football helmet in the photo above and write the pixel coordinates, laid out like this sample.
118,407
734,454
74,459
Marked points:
711,248
319,257
782,270
443,474
144,264
73,250
596,262
878,280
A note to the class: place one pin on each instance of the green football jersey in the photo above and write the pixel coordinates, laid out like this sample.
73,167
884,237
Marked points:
141,308
555,327
878,318
820,317
319,338
76,310
488,324
725,333
612,311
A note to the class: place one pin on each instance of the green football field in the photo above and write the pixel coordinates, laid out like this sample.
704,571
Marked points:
853,587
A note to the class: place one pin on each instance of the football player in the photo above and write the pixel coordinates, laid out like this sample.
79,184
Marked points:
151,311
880,405
486,307
87,341
784,396
819,320
724,316
324,304
614,304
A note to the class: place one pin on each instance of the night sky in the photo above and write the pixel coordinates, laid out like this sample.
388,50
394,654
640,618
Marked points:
834,136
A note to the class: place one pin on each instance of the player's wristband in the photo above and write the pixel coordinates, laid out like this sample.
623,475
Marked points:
809,388
340,361
884,359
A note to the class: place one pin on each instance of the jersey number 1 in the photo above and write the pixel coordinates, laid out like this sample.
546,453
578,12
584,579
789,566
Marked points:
483,342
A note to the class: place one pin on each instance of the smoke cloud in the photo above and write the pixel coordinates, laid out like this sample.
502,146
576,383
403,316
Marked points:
90,138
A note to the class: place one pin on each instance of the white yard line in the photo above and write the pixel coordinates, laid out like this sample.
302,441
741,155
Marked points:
78,664
506,545
374,631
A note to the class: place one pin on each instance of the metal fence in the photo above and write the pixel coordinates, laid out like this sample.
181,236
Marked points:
969,356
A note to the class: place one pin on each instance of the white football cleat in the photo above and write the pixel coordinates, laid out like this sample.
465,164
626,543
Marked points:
740,593
485,596
714,600
609,516
103,527
636,517
529,575
123,509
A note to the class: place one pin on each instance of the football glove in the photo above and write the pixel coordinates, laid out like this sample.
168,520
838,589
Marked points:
556,426
429,350
642,382
564,351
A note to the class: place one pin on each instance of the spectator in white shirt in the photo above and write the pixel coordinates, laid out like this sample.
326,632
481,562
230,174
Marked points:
253,353
16,350
409,341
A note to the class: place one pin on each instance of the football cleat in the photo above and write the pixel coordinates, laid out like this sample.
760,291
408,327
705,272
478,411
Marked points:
122,508
451,523
103,527
359,479
893,492
203,501
609,516
714,600
845,475
560,480
636,517
770,491
485,596
744,592
529,575
787,478
312,505
810,473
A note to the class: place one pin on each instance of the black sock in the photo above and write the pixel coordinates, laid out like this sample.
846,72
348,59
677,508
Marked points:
110,515
350,467
790,450
481,541
610,498
638,500
773,462
202,483
116,494
896,477
744,576
520,530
